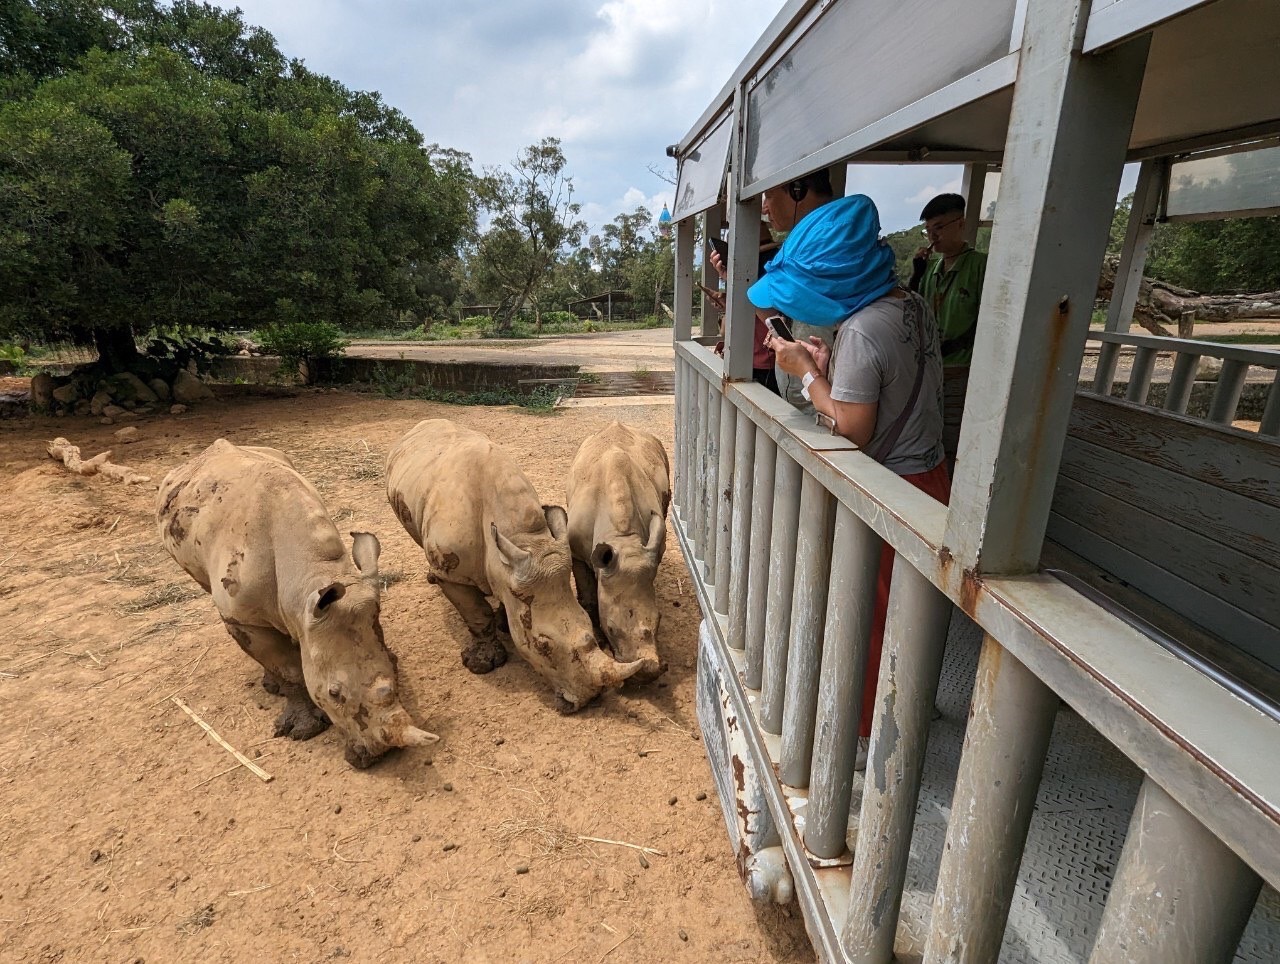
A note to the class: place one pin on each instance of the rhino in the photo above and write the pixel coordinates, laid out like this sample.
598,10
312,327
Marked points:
255,535
617,496
485,534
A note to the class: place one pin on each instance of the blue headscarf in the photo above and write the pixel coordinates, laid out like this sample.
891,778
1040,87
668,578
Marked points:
832,264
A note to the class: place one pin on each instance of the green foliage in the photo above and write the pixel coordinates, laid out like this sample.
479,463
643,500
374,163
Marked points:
16,356
301,343
1214,257
181,347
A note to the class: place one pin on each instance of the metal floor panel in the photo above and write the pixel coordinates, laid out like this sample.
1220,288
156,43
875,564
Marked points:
1086,798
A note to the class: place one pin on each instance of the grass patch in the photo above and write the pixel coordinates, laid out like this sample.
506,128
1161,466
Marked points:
1241,339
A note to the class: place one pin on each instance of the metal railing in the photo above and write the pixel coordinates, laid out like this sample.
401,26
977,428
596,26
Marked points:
1188,355
782,525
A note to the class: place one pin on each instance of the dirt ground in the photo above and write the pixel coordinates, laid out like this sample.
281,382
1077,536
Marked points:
129,835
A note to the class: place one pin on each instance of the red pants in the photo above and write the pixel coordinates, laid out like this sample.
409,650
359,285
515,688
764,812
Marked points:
937,483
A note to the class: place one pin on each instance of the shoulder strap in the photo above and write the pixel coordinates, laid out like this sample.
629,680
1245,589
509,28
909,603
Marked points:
881,451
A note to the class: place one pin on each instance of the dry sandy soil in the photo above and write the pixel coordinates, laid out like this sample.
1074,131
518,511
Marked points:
129,835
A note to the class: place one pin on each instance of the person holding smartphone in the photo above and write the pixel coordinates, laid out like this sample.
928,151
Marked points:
880,382
762,367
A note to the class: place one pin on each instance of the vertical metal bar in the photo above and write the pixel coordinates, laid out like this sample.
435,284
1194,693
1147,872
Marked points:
762,478
1222,409
1104,375
1133,253
677,453
1180,383
782,570
683,295
690,440
1270,424
855,564
724,501
915,638
1180,896
711,494
972,185
808,613
744,454
1010,721
700,468
1144,363
1068,133
744,253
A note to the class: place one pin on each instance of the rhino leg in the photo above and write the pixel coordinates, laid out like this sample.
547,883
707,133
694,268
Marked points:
485,653
281,662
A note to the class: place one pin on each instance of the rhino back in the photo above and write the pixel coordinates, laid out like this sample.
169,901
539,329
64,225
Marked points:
619,479
447,484
242,521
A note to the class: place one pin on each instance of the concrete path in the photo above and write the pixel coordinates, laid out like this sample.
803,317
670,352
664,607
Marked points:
614,351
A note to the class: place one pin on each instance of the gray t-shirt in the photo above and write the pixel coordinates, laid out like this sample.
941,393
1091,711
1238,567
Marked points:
875,358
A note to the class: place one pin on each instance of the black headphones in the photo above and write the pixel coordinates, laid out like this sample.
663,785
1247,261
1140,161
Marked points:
798,189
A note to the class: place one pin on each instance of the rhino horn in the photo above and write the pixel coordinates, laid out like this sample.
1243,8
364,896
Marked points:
412,736
613,674
657,529
512,553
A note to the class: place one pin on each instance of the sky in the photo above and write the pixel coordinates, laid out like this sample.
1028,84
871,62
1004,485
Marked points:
615,80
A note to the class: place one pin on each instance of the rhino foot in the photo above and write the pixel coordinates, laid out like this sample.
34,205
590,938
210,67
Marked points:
301,720
271,683
484,655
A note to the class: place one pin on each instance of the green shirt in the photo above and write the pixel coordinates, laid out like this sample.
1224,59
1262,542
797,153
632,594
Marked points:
954,296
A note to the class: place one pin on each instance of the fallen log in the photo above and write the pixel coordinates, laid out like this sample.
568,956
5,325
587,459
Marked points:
69,455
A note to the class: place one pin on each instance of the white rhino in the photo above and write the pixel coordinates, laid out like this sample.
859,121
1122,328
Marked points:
485,534
255,535
617,496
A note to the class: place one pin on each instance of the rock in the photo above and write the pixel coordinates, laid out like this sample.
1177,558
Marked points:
111,411
101,399
107,420
177,409
447,787
700,796
522,868
188,389
42,390
127,435
129,404
161,389
130,387
644,861
1208,370
83,407
450,846
66,394
682,934
673,801
337,808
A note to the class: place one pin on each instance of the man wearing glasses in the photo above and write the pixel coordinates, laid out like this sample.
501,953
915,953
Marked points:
951,284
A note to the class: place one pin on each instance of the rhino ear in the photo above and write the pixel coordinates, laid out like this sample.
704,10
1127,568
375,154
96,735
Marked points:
603,558
365,550
511,553
323,598
657,533
557,521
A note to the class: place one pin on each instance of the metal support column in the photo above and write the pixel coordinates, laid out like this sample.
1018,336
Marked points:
744,454
1004,750
699,462
1270,424
710,493
683,296
762,477
972,186
1068,134
1226,396
808,614
724,502
1180,383
712,221
915,637
782,571
744,254
1133,255
855,564
1180,896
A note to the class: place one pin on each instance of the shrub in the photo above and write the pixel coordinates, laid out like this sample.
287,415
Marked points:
13,358
300,344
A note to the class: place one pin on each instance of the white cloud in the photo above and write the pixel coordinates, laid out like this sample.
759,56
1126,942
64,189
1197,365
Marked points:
930,191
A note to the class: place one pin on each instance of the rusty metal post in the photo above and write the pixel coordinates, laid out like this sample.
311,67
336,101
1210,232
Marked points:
855,563
744,454
1004,749
1180,896
915,638
762,477
712,491
782,570
808,613
724,501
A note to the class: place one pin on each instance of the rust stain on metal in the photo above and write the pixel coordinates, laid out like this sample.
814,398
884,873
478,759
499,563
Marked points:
739,773
970,587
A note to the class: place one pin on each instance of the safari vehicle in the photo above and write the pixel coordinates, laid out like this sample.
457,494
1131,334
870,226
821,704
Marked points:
1096,616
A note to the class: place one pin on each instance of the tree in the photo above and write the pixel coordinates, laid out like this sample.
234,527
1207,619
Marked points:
533,219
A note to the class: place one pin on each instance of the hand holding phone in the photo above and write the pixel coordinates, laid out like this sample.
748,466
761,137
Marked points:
721,248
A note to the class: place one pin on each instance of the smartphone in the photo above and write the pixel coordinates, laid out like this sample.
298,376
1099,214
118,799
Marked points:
778,325
714,292
721,248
